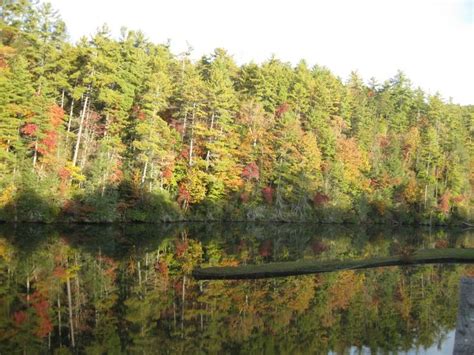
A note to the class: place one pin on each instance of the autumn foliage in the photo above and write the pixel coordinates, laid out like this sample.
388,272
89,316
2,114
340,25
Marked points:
136,132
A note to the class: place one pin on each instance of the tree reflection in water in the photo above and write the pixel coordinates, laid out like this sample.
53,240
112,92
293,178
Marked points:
129,288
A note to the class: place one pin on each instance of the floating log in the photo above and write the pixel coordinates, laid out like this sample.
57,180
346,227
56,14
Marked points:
280,269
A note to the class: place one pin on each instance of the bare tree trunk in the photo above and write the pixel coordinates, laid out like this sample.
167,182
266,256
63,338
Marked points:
62,99
77,298
71,112
201,307
144,171
208,154
146,267
139,274
71,321
106,124
426,194
35,153
59,320
89,137
185,122
28,289
191,149
192,136
79,134
174,314
183,297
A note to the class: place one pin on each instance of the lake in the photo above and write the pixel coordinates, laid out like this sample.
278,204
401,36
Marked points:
129,289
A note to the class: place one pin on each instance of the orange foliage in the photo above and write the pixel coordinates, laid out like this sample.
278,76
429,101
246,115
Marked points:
245,197
282,109
319,247
320,199
19,317
469,271
168,173
162,267
41,306
354,161
267,193
56,116
183,196
117,173
229,262
348,283
48,143
380,207
265,248
441,244
29,129
410,191
384,141
443,203
59,272
180,247
251,172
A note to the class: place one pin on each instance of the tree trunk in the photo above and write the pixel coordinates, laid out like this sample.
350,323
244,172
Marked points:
192,136
208,154
35,153
71,321
106,124
62,99
183,297
77,297
139,274
426,194
144,171
28,289
59,319
79,134
88,137
69,122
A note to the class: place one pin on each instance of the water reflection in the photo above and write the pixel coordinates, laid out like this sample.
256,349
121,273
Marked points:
127,289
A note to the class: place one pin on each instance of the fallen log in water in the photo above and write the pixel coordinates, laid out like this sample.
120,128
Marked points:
279,269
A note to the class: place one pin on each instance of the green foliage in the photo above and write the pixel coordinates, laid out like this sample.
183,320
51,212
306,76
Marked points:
82,121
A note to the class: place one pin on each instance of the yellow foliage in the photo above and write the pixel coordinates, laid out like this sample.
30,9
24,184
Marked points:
7,195
355,162
75,172
5,251
196,185
344,289
410,191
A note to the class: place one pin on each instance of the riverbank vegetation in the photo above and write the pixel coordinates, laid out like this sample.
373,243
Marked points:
123,130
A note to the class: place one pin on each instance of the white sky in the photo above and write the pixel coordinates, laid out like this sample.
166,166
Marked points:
432,41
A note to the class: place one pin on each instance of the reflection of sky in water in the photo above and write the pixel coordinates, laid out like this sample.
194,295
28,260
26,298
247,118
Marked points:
468,11
445,348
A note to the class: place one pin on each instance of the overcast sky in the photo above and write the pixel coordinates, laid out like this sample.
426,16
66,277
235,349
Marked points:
431,41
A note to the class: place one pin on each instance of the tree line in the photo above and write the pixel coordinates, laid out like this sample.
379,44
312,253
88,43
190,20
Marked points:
121,129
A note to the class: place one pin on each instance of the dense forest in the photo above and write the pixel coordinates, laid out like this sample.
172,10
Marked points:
121,129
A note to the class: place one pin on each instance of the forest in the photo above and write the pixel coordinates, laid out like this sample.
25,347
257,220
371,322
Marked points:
123,130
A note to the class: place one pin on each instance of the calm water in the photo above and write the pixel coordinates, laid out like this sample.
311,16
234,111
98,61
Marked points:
128,289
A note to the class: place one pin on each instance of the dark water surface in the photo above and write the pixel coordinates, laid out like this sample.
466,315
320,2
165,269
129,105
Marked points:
129,289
